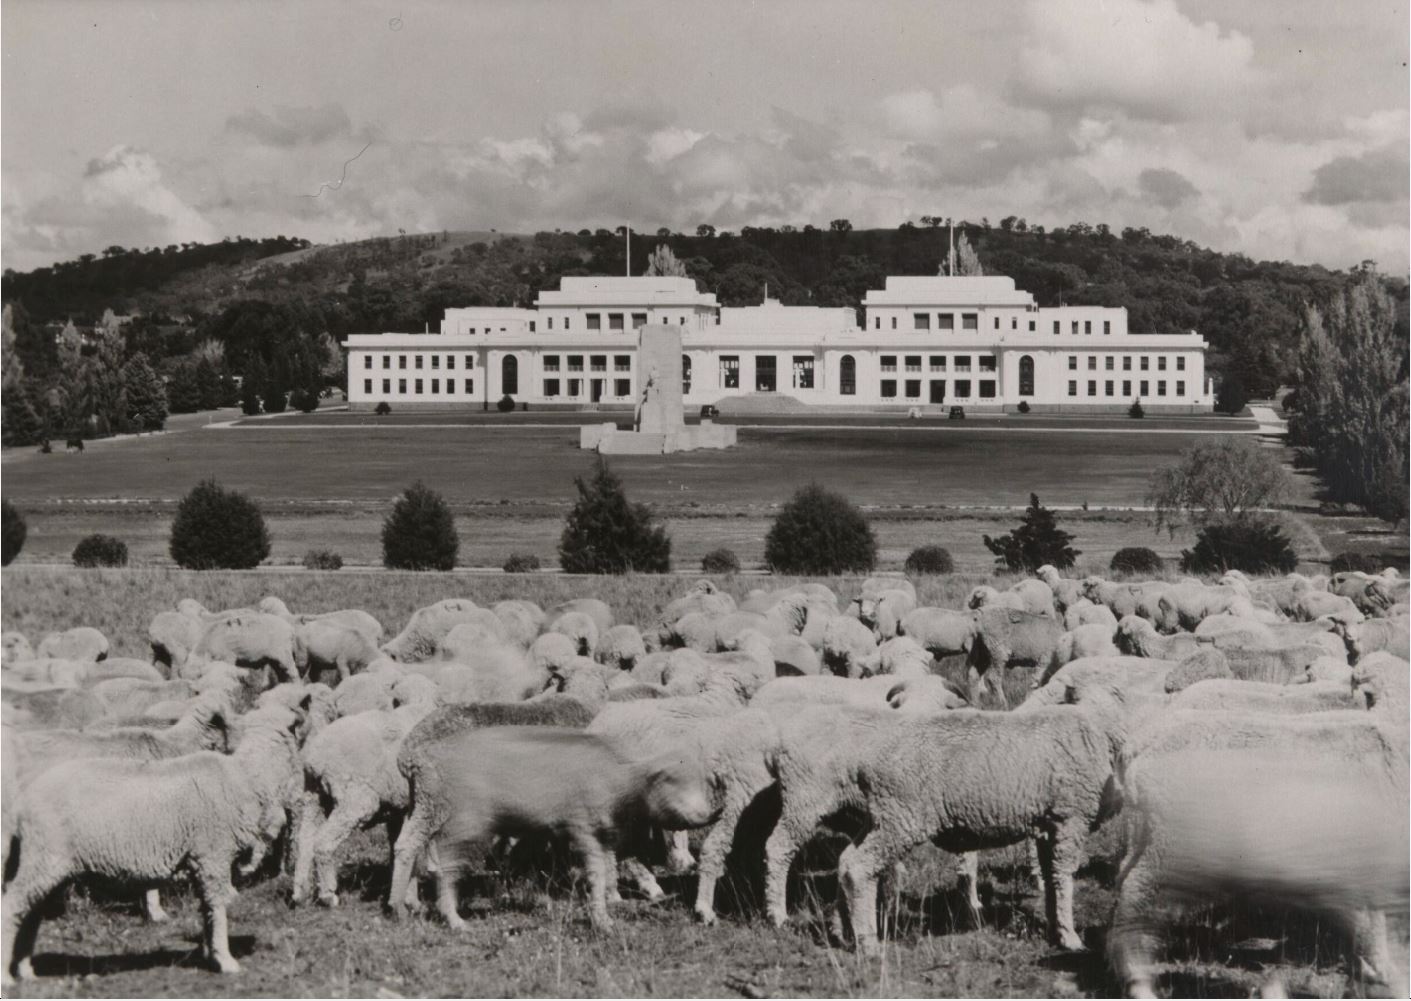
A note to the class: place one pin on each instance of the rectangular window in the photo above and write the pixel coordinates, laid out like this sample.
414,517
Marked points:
889,389
575,363
1075,326
1055,326
435,386
1126,387
894,323
419,360
551,363
623,387
1031,326
614,321
1161,363
996,322
1126,363
551,387
469,362
595,321
945,321
622,363
567,322
1092,363
401,361
450,386
402,386
1180,363
987,363
575,387
876,323
1107,388
1107,326
638,320
367,385
765,374
962,363
1180,387
470,387
1144,387
367,361
847,379
386,361
450,361
1092,387
889,363
1072,363
1087,326
1072,387
962,389
1146,362
417,387
531,326
969,321
803,371
921,321
730,371
987,389
913,363
387,385
938,363
1160,387
435,361
598,363
550,322
1107,363
913,389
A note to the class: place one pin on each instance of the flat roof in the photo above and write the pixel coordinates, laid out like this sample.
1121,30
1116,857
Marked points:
968,290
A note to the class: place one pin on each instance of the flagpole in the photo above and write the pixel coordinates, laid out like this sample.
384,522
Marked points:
627,268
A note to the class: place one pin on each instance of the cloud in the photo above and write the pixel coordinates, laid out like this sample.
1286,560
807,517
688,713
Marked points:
1141,58
1167,188
961,112
293,126
1375,176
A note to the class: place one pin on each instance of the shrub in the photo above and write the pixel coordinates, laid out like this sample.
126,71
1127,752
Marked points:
218,529
605,533
1135,411
720,561
1257,547
304,400
1136,560
1023,407
382,409
929,560
12,532
521,563
506,404
819,532
1368,563
100,551
1232,397
420,534
322,559
1037,540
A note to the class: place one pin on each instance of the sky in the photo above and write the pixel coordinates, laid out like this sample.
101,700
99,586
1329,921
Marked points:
1275,128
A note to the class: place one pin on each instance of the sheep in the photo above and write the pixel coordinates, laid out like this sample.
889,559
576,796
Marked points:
1363,638
925,694
1310,605
1228,694
143,820
1185,604
14,648
1278,665
349,618
551,650
598,611
130,696
1083,612
522,619
870,692
846,643
466,638
871,589
1138,637
79,643
367,692
580,628
1226,630
122,667
531,780
491,674
1092,640
786,617
704,598
1005,637
1367,592
621,647
1139,675
426,628
327,645
942,631
48,671
749,665
1200,666
986,596
887,611
939,778
173,638
901,657
1066,592
251,640
1120,599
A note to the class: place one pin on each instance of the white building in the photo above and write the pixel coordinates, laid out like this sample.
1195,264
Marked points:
977,342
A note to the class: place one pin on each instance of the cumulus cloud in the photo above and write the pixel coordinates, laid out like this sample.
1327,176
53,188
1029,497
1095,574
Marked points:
1167,188
292,126
1143,58
1374,176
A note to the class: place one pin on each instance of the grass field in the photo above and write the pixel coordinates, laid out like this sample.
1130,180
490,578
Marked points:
527,937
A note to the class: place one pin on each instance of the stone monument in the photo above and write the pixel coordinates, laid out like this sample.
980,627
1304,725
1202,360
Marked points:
658,420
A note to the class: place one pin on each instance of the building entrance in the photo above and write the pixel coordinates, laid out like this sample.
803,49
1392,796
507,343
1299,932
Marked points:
938,390
595,390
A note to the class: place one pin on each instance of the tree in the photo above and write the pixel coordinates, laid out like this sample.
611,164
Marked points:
251,385
100,551
208,388
1219,479
606,533
274,394
967,262
12,532
1256,547
144,394
183,394
820,532
705,230
929,560
1037,541
1231,398
1134,560
11,365
420,533
20,424
720,562
663,262
840,226
218,529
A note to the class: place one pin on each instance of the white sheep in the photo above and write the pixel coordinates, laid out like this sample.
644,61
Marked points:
1066,591
579,627
1185,604
1310,605
1083,612
14,648
426,628
350,618
1227,630
1362,638
1138,637
942,631
255,640
1231,695
551,650
148,821
503,673
329,645
1092,640
597,610
846,643
79,643
621,647
901,657
888,610
522,619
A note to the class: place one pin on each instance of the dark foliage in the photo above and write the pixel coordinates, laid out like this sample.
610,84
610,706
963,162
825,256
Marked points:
145,395
20,423
721,562
322,559
506,404
218,529
420,533
606,533
1023,407
1255,547
1135,411
100,551
12,532
819,532
929,560
1358,562
1135,560
521,563
382,409
1232,397
1038,540
251,386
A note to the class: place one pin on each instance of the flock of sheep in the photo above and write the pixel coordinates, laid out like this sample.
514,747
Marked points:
1250,736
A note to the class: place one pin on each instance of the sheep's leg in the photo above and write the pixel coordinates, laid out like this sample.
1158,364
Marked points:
610,889
714,850
152,906
448,877
967,874
309,826
410,845
356,808
595,860
779,852
1130,939
678,857
394,831
20,914
637,874
1065,855
213,884
858,869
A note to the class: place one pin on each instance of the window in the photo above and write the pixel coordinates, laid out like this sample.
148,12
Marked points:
1031,326
1026,376
765,374
551,363
367,361
889,363
551,387
1087,326
509,375
622,363
962,389
402,386
1072,387
1126,387
531,326
876,323
921,321
889,389
435,386
987,363
962,363
1092,363
470,387
469,362
367,385
1107,363
568,322
614,321
435,361
913,363
1014,323
1126,363
938,363
622,387
419,360
450,361
638,320
803,371
1146,362
987,389
386,361
387,385
598,363
1161,363
913,389
1107,388
996,322
894,323
685,374
575,387
1055,326
1107,326
945,321
450,386
401,361
1092,387
1180,387
1180,363
1072,363
969,321
595,322
417,387
1144,387
730,371
1075,326
847,376
575,363
1160,387
550,322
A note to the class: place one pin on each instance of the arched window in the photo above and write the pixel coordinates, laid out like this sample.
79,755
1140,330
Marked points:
685,374
847,380
509,375
1026,376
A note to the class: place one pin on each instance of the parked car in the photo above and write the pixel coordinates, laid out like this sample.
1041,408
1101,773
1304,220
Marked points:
957,413
709,411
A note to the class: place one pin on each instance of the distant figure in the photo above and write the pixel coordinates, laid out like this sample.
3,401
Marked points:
642,403
74,443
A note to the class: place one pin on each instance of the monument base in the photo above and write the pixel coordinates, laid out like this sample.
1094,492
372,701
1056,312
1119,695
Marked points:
606,439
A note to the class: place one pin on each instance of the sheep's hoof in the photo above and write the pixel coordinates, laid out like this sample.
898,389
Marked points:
705,915
328,900
227,964
1070,941
869,948
24,970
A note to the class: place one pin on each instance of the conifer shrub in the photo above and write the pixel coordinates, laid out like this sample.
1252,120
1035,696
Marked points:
420,533
218,529
1135,411
1037,541
1253,546
1232,397
506,404
12,532
1023,407
608,534
819,532
929,560
322,559
100,551
382,409
1368,563
522,563
1136,560
720,562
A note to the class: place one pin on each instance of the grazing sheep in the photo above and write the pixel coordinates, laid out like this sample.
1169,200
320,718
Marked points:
539,780
367,692
694,630
466,638
327,645
14,648
621,647
1200,666
887,611
925,694
491,674
580,628
145,821
1092,640
1066,592
122,667
1310,605
1278,665
1235,630
749,665
174,637
350,618
254,640
1363,638
552,650
1133,675
1083,613
1367,592
793,656
79,643
1139,638
1006,637
522,619
826,690
942,631
846,643
787,617
132,696
704,598
902,657
48,672
1230,695
986,596
597,610
1186,604
426,628
1121,599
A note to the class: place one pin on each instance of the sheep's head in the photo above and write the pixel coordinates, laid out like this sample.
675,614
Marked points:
271,605
677,792
1047,573
1379,594
982,596
705,587
1092,589
792,611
